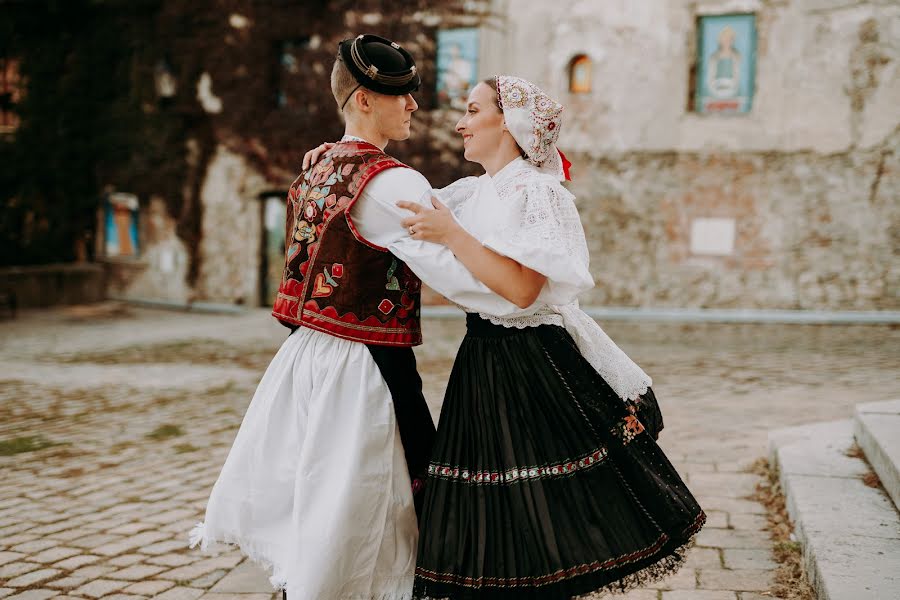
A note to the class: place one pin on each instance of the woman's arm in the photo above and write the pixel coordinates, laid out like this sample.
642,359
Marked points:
504,276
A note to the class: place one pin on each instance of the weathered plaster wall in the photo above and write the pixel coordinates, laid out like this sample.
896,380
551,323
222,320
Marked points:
811,231
827,73
810,178
231,230
161,272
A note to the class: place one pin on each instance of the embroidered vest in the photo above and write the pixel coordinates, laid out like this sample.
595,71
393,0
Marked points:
334,280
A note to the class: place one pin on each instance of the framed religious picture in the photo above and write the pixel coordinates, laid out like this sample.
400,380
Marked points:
121,226
726,63
457,66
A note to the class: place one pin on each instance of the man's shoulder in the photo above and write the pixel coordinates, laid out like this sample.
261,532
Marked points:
399,178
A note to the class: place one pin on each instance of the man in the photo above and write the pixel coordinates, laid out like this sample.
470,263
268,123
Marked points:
319,483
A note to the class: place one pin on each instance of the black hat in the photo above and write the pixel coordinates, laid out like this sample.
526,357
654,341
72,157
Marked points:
380,64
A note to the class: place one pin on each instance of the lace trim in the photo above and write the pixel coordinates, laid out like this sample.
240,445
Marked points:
662,568
525,321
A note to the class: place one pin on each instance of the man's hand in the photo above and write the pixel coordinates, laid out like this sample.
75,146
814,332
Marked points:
312,157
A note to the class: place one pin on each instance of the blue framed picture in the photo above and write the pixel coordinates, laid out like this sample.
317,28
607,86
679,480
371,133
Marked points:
726,64
121,225
457,66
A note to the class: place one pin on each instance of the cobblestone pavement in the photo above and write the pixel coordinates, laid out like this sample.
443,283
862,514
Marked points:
114,423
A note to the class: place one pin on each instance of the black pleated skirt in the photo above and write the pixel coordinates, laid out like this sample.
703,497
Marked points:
543,484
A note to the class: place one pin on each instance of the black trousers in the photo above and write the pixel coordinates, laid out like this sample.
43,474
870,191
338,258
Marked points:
417,432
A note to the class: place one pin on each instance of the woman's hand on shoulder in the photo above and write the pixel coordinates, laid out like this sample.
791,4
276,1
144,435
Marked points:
431,225
312,157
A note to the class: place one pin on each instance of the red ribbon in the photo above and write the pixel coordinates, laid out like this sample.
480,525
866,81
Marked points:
565,164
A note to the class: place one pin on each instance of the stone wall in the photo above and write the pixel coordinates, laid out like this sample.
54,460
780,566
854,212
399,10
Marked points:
806,185
811,231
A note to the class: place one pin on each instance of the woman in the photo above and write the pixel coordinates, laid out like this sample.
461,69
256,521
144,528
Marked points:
545,481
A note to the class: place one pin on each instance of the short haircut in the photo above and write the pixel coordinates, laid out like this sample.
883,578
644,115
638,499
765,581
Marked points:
342,82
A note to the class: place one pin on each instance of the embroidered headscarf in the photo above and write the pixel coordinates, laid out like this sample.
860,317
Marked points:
534,120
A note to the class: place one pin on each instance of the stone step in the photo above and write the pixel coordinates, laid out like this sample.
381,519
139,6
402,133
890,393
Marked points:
850,532
877,431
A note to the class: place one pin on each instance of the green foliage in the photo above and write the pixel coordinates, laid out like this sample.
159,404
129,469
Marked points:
20,445
165,432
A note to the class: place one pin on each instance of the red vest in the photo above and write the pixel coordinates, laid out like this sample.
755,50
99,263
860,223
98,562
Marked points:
334,280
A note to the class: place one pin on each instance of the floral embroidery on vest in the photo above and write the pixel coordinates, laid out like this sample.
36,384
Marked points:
334,280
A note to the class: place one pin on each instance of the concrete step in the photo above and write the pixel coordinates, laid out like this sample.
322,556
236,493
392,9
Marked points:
877,431
850,532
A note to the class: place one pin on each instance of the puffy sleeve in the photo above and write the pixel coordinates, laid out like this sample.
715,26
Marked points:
455,195
377,217
542,231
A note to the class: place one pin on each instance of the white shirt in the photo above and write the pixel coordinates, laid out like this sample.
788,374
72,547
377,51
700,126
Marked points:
377,218
521,213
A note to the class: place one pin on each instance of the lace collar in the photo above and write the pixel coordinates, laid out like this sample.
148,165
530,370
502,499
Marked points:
510,176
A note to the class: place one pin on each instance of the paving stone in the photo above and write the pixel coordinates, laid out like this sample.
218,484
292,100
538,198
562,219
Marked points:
33,595
132,528
747,522
8,557
94,541
216,596
733,538
15,569
750,580
4,592
72,534
208,580
123,597
685,579
163,547
51,528
34,546
19,538
247,578
93,571
32,578
699,595
717,519
724,485
76,562
734,505
14,529
737,558
173,560
137,572
191,572
55,554
181,593
703,558
150,588
169,516
130,543
100,587
66,583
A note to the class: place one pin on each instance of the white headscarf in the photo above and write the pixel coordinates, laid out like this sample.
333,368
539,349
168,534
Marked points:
534,120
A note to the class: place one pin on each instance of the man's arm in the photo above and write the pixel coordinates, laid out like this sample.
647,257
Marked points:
377,218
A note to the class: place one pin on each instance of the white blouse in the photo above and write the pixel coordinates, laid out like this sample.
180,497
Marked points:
521,213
